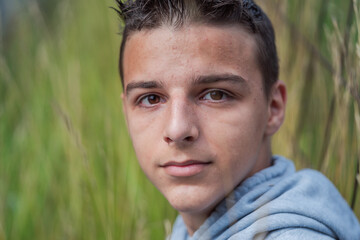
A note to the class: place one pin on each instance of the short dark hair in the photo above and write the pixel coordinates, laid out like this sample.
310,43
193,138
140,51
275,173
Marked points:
150,14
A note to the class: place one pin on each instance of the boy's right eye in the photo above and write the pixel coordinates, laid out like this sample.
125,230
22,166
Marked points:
149,100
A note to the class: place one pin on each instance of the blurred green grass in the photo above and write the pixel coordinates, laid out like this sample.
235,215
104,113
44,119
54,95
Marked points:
67,168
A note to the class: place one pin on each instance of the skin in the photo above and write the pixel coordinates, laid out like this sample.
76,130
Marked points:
197,113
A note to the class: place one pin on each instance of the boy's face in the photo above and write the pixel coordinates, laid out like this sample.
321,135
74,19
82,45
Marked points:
196,111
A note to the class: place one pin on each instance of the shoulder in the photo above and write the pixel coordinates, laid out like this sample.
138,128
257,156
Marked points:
312,188
312,206
289,233
305,184
297,234
313,184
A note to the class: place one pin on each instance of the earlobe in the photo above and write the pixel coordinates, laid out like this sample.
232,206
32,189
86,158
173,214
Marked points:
276,107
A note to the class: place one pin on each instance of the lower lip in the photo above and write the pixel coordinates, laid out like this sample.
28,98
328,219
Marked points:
186,170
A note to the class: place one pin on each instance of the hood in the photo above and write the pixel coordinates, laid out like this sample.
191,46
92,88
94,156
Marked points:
278,201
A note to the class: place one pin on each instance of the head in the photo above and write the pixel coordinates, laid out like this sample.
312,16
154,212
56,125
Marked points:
144,15
201,96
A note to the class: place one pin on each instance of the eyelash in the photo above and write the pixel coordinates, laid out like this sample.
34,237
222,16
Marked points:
140,99
225,94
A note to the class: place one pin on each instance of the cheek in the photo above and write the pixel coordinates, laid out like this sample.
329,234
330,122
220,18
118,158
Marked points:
142,127
142,134
236,134
146,131
239,126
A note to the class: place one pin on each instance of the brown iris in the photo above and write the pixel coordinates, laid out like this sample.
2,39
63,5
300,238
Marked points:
153,99
216,95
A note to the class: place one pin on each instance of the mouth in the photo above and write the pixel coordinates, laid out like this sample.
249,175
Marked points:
187,168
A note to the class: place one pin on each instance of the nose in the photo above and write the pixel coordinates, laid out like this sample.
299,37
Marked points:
181,123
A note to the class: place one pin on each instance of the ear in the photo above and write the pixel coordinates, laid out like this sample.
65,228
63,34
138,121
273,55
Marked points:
276,107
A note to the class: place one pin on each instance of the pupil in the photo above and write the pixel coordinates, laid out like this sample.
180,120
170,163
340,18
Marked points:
216,95
153,99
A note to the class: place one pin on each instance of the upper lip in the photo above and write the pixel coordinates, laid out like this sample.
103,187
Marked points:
184,163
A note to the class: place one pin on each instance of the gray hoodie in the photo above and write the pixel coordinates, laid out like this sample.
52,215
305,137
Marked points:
279,203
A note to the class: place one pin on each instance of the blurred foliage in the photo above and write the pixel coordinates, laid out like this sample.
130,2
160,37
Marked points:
67,168
319,48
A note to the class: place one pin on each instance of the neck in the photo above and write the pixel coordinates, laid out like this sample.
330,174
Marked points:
194,221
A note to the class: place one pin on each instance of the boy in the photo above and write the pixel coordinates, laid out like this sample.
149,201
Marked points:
201,100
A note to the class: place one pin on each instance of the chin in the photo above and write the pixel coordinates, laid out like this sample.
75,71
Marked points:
191,208
192,201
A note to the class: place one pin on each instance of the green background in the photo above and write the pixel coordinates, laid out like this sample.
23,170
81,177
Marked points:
67,167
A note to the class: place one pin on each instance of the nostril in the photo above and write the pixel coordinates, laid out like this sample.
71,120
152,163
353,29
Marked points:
186,139
167,139
189,138
185,134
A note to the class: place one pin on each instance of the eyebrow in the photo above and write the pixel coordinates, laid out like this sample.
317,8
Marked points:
143,84
220,78
200,80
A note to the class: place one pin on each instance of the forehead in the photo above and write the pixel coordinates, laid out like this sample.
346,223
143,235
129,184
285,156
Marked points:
193,49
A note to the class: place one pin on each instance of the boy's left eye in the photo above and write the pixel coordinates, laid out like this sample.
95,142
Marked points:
215,95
